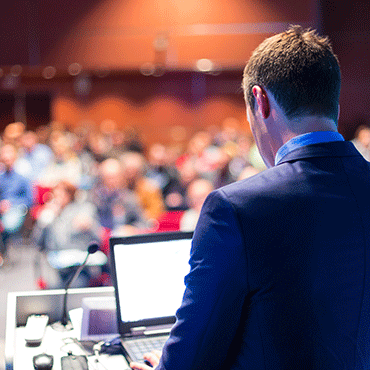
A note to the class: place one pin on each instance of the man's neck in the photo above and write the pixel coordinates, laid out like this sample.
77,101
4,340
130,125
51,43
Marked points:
304,125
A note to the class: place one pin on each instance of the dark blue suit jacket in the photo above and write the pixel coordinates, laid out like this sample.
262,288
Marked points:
279,270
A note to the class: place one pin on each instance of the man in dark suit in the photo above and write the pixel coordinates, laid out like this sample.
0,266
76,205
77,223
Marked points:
280,274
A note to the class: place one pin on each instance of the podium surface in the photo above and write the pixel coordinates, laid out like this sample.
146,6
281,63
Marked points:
18,356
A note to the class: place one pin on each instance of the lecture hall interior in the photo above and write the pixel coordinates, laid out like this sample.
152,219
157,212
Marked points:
143,97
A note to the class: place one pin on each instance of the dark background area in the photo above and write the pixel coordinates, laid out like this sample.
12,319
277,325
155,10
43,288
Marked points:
121,36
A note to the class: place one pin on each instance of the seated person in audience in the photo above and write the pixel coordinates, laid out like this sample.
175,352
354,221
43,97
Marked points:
175,197
118,207
89,164
67,223
147,192
224,174
15,197
97,146
196,195
33,157
66,164
159,170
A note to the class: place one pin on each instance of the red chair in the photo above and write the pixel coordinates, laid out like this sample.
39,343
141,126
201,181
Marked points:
168,221
41,194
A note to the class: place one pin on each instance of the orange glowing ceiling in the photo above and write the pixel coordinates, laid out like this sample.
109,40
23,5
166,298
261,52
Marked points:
175,33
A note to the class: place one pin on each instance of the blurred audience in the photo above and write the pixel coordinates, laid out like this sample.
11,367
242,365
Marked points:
15,197
122,188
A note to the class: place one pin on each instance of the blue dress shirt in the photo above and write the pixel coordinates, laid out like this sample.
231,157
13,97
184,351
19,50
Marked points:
307,139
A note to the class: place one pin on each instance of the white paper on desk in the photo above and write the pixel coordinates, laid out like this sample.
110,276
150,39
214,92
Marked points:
75,316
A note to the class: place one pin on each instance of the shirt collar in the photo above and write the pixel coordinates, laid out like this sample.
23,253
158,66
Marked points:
306,139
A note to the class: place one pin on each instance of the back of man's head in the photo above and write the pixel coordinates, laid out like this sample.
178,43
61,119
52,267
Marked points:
301,71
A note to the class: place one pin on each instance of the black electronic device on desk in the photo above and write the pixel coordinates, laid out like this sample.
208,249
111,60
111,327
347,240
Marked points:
43,361
73,362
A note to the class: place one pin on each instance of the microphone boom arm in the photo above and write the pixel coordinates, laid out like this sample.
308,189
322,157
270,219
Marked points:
92,249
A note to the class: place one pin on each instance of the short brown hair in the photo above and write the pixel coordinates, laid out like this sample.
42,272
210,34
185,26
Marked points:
301,71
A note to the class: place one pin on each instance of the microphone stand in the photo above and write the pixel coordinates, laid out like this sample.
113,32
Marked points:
64,324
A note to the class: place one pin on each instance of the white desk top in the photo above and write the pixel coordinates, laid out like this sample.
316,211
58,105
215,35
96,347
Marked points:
58,344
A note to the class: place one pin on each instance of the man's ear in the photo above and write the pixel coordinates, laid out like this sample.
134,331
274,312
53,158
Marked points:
262,101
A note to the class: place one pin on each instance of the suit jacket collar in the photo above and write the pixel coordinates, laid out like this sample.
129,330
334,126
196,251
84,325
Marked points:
331,149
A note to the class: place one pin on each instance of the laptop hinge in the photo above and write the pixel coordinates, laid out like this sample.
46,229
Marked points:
153,330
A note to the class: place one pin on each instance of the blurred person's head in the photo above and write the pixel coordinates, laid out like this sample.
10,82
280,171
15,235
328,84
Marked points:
199,142
64,193
178,136
8,155
13,132
61,145
133,141
29,140
134,165
108,126
248,171
57,126
362,134
110,172
118,139
173,152
187,173
97,144
197,193
291,86
43,134
245,143
230,129
78,142
157,155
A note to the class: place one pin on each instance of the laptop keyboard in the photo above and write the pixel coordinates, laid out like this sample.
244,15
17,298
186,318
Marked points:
136,348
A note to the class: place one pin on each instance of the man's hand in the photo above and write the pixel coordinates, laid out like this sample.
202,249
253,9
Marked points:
152,357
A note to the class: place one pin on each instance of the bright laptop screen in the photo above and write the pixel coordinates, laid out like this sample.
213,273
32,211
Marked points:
150,277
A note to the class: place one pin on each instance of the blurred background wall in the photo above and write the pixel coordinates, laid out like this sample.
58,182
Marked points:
152,66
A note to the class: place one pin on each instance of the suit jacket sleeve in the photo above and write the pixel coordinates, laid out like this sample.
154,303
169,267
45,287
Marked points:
215,291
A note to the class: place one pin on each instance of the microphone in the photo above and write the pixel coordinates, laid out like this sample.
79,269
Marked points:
64,323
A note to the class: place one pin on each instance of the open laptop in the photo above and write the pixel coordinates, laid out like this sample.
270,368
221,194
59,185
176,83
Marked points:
148,273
